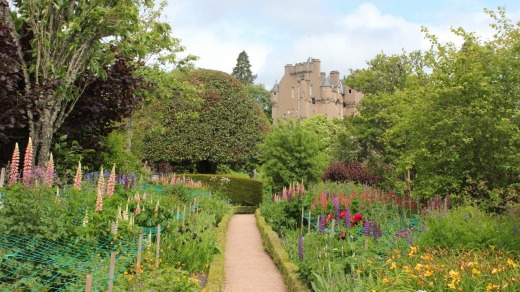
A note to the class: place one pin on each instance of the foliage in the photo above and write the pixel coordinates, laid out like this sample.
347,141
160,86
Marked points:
469,227
445,120
413,253
262,96
236,189
291,153
103,105
116,153
226,129
64,46
336,172
242,70
11,117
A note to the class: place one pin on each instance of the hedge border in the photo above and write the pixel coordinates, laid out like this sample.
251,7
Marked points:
273,245
217,268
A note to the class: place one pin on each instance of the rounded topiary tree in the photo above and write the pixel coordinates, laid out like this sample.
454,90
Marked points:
225,129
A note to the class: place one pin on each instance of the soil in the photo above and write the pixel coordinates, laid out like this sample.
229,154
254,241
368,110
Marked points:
249,267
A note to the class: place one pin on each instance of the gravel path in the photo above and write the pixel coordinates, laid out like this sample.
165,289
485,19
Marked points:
249,267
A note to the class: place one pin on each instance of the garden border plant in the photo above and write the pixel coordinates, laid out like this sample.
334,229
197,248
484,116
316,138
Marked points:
274,247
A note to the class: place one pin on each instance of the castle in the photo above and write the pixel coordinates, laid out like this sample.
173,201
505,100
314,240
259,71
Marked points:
304,91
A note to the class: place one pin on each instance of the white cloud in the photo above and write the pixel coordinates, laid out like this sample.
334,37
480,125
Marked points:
275,33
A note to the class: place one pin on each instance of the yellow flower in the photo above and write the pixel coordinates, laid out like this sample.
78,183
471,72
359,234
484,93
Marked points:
494,271
427,257
428,273
386,281
475,272
393,266
491,287
493,247
511,263
418,267
452,285
454,275
370,262
406,269
414,249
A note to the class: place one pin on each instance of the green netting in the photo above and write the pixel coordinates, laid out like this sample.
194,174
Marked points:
32,264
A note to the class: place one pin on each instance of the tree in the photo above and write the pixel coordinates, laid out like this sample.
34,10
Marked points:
63,46
291,153
262,96
242,70
226,128
12,118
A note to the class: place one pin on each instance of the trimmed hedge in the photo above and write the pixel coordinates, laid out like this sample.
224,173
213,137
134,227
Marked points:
273,245
217,269
241,191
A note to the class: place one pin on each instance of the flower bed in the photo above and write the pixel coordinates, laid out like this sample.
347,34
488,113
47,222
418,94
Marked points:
360,239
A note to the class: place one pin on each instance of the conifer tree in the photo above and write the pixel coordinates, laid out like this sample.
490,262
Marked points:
242,70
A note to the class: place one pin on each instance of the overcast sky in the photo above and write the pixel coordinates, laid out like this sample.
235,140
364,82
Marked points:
343,34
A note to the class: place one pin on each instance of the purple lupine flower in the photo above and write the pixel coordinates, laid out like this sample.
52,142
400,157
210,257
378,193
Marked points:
348,224
374,229
336,205
366,228
322,224
300,247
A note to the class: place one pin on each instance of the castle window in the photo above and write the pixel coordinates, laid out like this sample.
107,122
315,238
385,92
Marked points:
350,91
310,90
292,91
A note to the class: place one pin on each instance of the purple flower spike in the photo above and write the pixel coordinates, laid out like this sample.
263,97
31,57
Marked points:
366,228
347,219
336,205
300,247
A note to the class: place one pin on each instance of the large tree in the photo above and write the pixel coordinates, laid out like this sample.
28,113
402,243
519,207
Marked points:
62,46
225,129
261,95
292,153
242,70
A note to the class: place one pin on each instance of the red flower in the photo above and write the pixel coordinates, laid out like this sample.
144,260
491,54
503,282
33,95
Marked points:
357,218
343,214
342,235
330,216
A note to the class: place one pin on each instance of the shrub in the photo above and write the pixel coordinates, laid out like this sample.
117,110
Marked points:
336,172
239,190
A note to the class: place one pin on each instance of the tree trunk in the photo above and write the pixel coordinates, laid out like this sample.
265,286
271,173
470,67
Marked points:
206,166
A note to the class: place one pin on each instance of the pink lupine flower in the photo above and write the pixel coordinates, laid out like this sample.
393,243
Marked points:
101,182
99,200
15,162
78,177
156,210
49,172
144,197
111,182
27,164
138,210
137,198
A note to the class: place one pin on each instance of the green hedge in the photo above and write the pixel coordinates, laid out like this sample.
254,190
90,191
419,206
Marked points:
273,245
217,268
241,191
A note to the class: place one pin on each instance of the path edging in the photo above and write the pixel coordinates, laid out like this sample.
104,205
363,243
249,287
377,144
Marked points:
217,273
273,245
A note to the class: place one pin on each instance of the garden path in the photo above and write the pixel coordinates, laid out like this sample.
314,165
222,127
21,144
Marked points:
249,268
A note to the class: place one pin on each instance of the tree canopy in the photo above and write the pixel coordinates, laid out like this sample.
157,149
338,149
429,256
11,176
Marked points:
446,120
291,153
242,70
62,47
225,129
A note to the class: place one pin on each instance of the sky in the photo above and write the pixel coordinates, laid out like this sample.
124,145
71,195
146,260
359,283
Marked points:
343,34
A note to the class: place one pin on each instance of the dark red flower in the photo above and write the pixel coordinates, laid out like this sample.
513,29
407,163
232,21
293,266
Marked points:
357,218
342,235
343,214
